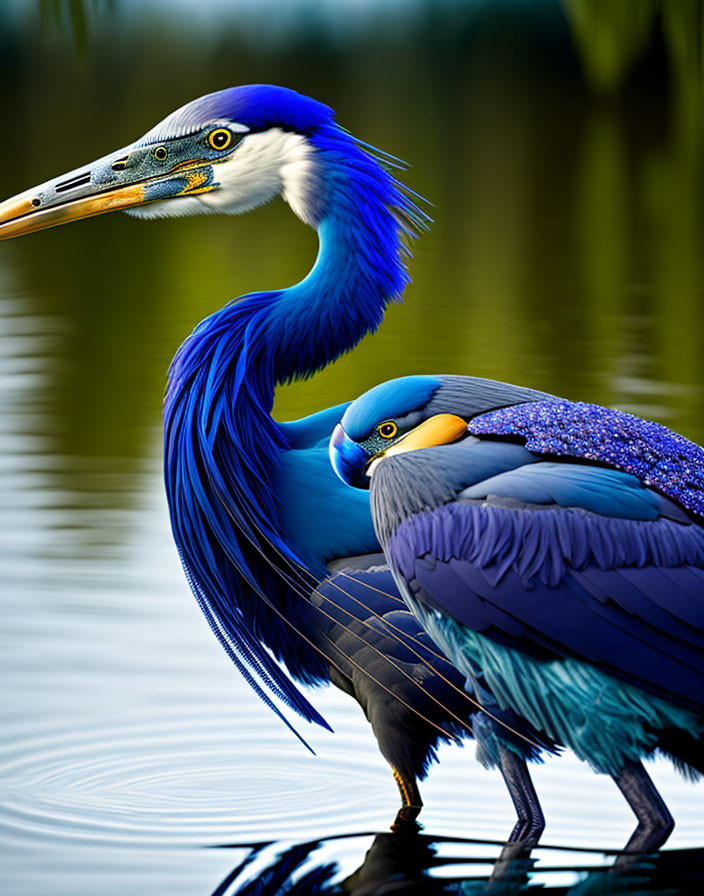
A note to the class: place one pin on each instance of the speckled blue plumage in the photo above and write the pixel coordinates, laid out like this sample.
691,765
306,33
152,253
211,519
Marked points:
656,455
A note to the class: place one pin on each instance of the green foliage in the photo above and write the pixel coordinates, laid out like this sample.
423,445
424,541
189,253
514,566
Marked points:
612,35
72,17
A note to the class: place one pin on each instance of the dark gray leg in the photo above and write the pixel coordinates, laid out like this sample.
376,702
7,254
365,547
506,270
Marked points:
531,822
655,823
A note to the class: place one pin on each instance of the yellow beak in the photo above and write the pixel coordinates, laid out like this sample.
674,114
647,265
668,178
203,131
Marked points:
438,430
22,214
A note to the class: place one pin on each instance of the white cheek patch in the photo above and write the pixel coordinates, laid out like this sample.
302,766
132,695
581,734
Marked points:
373,465
263,166
303,186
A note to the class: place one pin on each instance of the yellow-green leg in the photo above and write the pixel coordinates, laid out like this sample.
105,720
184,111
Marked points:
411,802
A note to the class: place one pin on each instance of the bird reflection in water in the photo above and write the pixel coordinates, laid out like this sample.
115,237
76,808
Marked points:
408,862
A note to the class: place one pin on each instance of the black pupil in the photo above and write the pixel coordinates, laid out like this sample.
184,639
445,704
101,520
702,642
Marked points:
160,153
220,139
387,429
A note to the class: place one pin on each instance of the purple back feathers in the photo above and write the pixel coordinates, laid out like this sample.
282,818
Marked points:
658,457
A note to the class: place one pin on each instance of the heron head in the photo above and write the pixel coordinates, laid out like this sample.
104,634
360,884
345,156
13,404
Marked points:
414,412
227,152
392,418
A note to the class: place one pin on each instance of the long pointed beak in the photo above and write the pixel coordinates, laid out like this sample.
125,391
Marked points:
22,215
122,180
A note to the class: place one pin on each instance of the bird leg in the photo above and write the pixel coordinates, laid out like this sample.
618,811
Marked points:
412,803
655,823
531,821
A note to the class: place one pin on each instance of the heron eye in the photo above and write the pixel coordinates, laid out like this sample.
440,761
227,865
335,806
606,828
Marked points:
220,138
387,430
160,153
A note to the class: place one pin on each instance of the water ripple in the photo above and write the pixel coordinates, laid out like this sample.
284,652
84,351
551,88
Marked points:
158,781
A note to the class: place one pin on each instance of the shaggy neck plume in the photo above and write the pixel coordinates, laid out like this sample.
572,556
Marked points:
222,446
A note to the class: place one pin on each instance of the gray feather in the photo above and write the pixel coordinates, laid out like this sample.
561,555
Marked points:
468,396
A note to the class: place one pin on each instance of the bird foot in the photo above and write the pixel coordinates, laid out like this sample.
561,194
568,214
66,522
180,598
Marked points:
512,868
405,821
527,832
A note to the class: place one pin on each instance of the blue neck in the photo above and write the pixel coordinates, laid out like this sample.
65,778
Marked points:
359,269
222,447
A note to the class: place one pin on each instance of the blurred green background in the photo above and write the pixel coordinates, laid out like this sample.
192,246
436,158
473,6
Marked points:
560,143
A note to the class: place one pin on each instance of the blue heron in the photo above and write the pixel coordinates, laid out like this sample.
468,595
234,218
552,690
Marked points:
554,550
281,556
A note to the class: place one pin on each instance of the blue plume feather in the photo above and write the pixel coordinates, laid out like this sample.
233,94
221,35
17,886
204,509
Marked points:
223,450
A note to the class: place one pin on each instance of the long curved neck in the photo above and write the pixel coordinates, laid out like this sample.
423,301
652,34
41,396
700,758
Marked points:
359,270
222,446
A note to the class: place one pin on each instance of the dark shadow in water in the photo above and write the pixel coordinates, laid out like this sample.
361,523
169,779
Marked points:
414,863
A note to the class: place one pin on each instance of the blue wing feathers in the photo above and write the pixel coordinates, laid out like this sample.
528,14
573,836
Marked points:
636,603
671,592
560,622
627,595
542,543
689,580
667,635
600,490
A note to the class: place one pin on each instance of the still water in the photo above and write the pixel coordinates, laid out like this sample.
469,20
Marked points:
130,745
565,170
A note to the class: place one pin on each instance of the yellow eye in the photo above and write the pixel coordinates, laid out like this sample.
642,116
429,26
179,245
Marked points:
387,430
220,138
160,153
